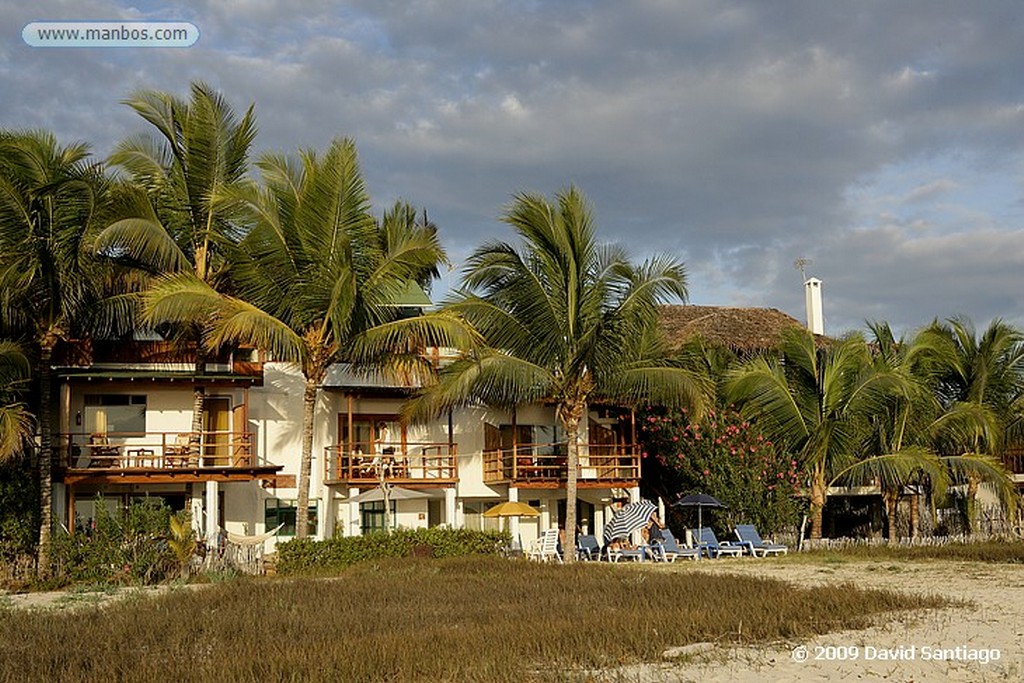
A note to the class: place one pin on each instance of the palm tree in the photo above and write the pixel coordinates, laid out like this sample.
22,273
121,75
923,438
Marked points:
16,425
51,198
896,451
171,220
317,281
814,401
978,381
565,320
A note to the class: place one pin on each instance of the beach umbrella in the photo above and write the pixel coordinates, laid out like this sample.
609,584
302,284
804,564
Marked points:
512,508
699,501
628,519
394,493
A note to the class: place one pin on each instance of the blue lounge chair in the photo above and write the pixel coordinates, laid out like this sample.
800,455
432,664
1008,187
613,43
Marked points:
754,544
709,544
587,548
667,549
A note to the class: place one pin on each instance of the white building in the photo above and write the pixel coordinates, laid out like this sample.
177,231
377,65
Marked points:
125,421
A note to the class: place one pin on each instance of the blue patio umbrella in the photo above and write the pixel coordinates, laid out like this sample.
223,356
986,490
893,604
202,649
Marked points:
628,519
699,501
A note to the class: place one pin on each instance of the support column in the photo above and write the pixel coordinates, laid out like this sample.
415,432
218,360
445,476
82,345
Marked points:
513,522
598,526
71,510
449,508
326,522
352,527
59,499
212,512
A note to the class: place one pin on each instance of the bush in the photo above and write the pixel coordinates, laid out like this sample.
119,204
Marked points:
129,546
303,555
726,457
19,510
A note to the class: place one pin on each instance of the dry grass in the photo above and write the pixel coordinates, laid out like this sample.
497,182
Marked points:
466,619
992,551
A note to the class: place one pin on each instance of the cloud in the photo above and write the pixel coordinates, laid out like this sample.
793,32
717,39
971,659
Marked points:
737,135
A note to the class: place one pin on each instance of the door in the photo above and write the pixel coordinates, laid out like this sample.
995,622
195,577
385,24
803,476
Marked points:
217,428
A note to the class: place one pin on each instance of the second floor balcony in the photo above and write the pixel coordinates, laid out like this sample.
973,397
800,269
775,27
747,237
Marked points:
402,463
149,455
1013,461
545,465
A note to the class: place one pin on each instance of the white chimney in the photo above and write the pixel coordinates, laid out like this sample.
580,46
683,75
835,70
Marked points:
812,297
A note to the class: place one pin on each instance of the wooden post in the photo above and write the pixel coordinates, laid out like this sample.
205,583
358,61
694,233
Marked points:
71,509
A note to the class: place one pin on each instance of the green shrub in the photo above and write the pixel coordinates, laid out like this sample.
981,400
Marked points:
129,546
19,510
303,555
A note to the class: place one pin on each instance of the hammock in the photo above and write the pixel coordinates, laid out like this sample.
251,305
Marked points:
239,539
245,553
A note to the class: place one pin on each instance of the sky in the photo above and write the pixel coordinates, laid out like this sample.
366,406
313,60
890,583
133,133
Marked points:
881,141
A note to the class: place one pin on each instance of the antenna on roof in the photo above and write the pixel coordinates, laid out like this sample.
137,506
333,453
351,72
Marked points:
801,264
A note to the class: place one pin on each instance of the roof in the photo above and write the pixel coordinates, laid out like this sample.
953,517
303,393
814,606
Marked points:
411,296
740,329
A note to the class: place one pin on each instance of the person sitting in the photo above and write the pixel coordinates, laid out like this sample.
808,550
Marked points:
651,532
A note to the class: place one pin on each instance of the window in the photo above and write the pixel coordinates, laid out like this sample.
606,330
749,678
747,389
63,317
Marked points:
371,516
473,516
120,414
543,439
283,512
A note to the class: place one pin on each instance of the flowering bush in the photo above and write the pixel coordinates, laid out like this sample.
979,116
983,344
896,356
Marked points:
726,457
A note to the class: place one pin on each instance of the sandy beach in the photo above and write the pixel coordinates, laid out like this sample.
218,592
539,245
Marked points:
915,647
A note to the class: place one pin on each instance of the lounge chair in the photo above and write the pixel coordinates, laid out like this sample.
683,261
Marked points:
545,548
754,544
637,554
587,548
667,549
709,544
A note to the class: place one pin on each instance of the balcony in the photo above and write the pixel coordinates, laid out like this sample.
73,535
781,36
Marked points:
134,355
1013,461
159,457
403,464
545,465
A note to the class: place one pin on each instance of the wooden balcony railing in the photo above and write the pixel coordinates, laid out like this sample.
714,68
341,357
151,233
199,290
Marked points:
547,463
410,463
156,451
86,353
1013,460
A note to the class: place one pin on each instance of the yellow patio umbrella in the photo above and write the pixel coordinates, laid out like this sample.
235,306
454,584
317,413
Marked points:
512,508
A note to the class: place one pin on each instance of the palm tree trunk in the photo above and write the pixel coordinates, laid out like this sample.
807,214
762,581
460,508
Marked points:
915,514
570,414
45,459
306,462
972,503
892,501
195,438
818,492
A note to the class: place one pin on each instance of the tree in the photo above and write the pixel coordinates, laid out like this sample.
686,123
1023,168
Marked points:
813,401
316,282
978,381
171,218
51,198
16,424
726,456
566,320
896,452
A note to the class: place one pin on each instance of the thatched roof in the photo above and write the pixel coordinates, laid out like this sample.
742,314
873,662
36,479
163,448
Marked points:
740,329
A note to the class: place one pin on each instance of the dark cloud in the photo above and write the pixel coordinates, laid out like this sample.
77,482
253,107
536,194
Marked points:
876,138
